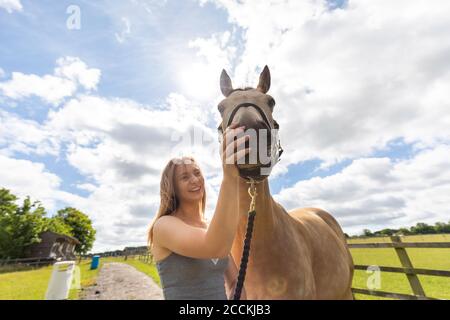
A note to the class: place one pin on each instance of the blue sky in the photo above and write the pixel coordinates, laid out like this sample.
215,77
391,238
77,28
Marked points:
160,60
35,39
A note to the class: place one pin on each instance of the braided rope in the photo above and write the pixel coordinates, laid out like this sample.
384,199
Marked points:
245,254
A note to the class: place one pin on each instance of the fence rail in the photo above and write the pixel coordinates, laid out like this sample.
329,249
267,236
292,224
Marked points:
407,268
27,261
392,295
401,245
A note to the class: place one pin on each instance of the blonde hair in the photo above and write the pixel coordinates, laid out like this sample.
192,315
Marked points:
169,199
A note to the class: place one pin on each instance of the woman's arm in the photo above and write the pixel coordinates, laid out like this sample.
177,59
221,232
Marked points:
216,241
231,274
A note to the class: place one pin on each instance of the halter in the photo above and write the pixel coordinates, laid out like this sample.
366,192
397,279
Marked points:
275,151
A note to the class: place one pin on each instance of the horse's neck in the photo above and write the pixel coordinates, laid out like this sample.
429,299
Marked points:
268,214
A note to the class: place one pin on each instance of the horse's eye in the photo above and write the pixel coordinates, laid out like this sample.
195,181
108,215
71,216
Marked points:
221,107
271,102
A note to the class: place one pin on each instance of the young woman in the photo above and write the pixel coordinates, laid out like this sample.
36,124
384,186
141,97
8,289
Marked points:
192,255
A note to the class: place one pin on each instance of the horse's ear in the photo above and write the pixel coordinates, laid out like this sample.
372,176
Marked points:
225,83
264,80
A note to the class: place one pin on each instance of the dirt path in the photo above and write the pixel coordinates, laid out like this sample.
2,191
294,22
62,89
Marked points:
119,281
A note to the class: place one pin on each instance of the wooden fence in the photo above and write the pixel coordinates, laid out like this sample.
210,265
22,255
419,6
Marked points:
407,268
146,258
31,262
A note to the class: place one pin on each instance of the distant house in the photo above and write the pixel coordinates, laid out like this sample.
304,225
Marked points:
53,246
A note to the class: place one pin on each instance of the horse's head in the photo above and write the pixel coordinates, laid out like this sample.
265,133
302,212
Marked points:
253,109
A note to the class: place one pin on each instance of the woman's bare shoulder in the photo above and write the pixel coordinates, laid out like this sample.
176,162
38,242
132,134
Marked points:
164,221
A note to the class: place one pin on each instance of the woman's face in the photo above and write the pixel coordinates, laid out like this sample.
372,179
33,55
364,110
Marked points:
189,183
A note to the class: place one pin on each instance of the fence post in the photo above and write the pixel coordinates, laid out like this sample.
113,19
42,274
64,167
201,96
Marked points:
406,263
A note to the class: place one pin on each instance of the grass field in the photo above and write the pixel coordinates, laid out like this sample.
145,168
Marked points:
32,284
438,259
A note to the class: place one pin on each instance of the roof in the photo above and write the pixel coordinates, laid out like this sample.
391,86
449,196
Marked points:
60,235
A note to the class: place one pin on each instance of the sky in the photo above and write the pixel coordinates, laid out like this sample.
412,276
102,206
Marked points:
95,98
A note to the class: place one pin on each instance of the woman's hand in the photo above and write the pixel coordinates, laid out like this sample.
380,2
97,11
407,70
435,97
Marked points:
232,150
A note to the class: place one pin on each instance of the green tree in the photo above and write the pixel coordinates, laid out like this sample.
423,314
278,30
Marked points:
442,227
423,228
20,226
367,233
81,228
405,231
57,225
386,232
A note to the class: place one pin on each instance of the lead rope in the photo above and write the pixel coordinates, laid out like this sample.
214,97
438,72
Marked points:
248,239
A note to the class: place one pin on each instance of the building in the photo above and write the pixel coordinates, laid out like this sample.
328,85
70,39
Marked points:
53,246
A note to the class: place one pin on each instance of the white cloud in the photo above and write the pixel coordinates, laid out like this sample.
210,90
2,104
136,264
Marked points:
50,88
2,73
11,5
69,74
76,70
379,192
35,181
344,91
198,75
25,136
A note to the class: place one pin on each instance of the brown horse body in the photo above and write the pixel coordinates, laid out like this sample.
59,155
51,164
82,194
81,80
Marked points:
297,255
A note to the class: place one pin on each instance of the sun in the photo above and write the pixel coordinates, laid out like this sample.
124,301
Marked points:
199,81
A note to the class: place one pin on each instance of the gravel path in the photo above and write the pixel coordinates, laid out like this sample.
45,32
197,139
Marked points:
119,281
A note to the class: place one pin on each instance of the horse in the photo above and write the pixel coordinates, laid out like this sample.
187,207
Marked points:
296,255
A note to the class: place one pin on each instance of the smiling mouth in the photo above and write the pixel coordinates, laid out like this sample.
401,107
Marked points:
195,189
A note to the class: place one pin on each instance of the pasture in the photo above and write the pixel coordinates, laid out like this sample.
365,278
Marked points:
426,258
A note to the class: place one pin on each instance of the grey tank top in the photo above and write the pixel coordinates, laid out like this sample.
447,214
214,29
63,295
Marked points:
184,278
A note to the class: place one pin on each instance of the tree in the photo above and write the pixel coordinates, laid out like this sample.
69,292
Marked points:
385,232
81,228
57,225
20,226
441,227
404,231
423,228
367,233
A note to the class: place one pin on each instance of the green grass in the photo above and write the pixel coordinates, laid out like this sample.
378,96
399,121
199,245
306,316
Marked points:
32,284
25,285
438,259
